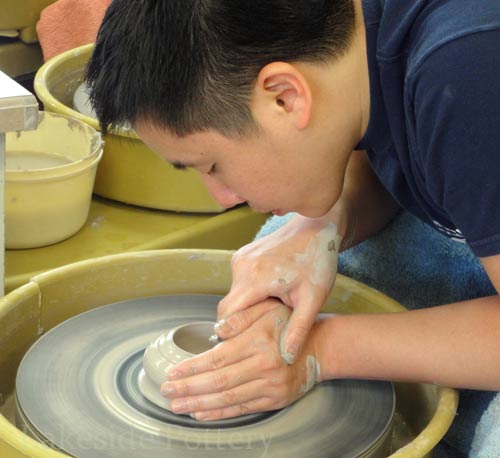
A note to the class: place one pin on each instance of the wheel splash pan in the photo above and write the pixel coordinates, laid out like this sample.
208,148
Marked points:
423,412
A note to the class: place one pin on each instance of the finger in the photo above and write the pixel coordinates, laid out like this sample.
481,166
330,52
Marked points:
224,354
240,321
212,381
296,331
237,396
246,408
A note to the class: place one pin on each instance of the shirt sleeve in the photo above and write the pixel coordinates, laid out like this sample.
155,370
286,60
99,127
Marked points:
457,118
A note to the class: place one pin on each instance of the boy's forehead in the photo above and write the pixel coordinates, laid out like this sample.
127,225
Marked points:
186,151
200,141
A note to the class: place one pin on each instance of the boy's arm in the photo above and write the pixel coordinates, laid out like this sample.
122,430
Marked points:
492,266
453,345
363,209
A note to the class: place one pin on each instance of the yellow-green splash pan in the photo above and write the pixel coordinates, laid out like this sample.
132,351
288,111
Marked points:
423,412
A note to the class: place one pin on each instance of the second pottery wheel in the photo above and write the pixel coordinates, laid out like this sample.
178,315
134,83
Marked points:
77,390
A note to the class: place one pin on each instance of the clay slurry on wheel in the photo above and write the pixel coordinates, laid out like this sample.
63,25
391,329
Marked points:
77,389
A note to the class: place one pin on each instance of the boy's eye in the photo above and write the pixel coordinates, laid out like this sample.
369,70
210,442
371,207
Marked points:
179,166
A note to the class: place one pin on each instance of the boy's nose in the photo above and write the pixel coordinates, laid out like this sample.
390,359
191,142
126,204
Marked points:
221,193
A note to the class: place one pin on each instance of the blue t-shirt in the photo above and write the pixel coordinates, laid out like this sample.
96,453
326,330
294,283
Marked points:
434,132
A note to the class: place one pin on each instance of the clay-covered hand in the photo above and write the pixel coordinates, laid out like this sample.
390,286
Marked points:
246,374
297,264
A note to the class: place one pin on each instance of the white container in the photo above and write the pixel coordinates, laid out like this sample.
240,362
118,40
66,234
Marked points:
50,175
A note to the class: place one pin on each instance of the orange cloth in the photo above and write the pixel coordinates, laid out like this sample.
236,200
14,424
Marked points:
67,24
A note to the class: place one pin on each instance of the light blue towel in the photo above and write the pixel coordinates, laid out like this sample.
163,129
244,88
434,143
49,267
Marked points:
419,267
486,441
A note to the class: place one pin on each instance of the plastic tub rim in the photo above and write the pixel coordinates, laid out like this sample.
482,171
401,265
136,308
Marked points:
27,176
65,170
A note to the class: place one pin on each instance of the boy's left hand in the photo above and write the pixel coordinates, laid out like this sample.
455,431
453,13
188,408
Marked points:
245,374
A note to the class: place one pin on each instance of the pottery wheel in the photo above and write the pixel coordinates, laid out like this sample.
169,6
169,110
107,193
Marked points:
77,391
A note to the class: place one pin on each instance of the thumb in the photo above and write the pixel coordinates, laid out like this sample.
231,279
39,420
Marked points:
295,333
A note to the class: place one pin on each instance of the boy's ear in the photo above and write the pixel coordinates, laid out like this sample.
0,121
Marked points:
282,89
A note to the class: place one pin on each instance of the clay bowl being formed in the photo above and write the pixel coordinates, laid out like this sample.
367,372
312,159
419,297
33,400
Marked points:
168,350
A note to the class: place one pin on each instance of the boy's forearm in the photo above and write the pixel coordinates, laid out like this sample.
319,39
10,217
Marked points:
453,345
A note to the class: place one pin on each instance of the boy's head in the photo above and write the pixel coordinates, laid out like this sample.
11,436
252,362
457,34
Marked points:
190,65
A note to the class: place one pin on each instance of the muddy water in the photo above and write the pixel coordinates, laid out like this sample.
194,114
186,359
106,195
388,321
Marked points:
28,160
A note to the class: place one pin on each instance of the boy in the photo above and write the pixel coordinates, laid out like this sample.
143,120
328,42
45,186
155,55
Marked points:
343,112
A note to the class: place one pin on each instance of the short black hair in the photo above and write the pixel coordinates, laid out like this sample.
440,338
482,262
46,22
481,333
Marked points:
190,65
